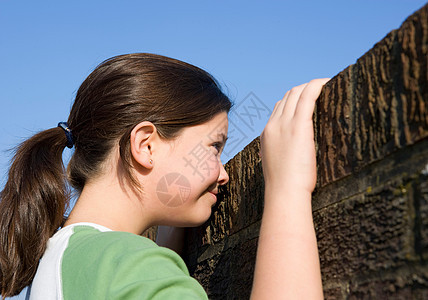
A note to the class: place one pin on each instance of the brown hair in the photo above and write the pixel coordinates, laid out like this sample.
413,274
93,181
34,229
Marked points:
120,93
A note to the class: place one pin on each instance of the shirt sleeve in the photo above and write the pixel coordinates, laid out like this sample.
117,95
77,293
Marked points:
119,265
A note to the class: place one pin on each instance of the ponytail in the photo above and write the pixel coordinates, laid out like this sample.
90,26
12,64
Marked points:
32,206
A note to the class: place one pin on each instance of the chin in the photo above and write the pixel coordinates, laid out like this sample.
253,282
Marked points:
198,222
200,217
193,213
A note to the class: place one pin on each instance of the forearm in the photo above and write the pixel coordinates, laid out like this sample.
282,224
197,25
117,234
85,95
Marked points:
287,265
171,237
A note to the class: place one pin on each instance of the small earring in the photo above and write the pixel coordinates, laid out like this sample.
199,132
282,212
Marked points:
151,161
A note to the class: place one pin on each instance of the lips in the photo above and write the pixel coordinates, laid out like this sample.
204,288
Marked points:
214,194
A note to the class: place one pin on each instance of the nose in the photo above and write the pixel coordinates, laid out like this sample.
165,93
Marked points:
223,177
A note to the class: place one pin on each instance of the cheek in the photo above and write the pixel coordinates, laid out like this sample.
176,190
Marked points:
201,170
211,168
179,188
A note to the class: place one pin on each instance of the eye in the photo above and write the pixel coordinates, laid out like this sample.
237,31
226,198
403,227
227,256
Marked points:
218,146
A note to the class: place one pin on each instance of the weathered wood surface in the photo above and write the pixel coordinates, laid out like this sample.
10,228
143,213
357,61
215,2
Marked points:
371,202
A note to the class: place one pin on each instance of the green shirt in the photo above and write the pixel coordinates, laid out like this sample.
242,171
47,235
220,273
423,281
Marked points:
97,264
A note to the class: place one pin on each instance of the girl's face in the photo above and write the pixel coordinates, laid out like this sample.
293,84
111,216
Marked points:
189,174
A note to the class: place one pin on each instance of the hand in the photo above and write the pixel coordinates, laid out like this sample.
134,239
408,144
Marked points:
287,142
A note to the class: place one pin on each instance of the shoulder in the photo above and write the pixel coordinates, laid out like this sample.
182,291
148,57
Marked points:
90,238
123,263
89,246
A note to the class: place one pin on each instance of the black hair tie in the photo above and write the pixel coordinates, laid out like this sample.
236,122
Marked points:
68,134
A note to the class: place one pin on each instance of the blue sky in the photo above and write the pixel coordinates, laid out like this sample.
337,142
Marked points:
257,50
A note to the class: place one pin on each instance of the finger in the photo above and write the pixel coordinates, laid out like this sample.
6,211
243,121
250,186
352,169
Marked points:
279,106
292,99
305,106
275,109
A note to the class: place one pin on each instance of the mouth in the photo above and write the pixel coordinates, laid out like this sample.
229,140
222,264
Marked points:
214,191
214,194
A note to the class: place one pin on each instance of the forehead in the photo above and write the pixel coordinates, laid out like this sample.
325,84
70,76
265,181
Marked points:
218,125
216,128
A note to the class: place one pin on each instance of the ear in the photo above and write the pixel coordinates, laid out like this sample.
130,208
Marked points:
141,140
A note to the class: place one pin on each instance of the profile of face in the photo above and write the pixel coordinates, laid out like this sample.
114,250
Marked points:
187,173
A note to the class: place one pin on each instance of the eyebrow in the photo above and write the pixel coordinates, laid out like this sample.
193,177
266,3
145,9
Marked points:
224,137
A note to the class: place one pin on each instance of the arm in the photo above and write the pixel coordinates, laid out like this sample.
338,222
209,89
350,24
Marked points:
287,265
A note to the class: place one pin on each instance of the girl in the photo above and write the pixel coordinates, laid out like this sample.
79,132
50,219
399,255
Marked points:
135,125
